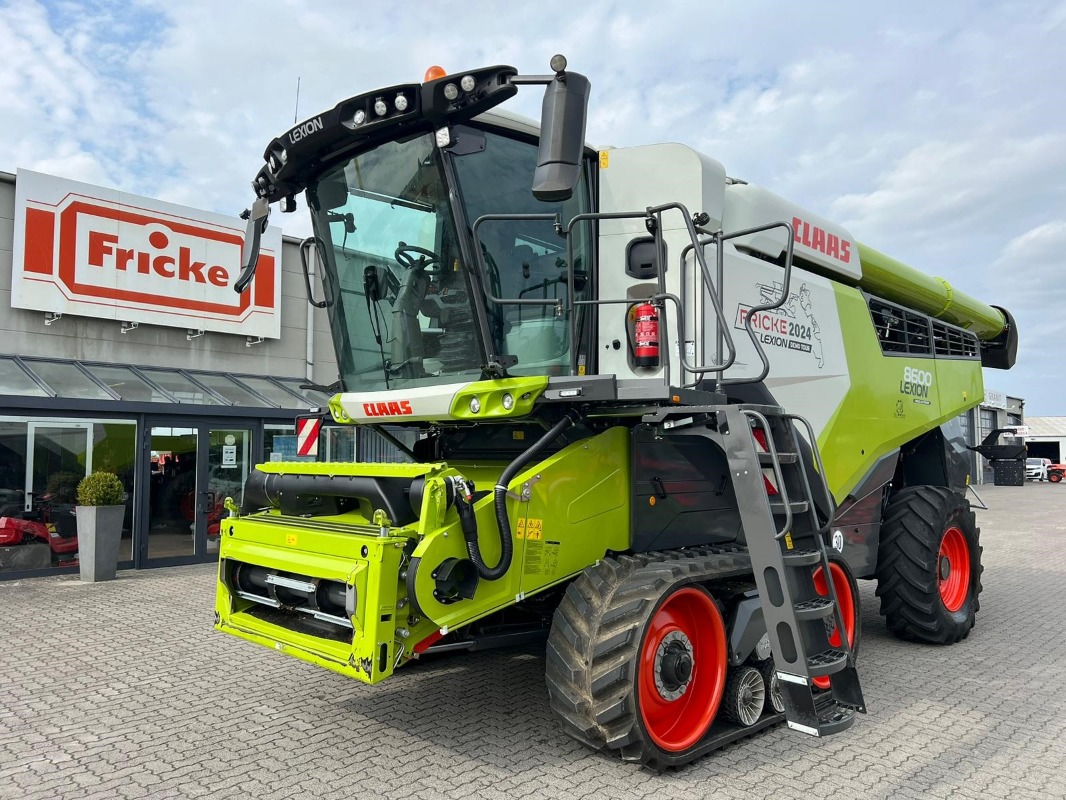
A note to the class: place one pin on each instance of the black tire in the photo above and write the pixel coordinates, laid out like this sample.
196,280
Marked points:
597,636
1055,477
917,523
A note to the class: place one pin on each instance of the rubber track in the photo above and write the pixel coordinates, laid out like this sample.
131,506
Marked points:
914,524
592,651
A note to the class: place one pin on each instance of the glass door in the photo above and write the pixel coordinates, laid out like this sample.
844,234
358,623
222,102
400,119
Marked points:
172,482
58,456
193,469
228,461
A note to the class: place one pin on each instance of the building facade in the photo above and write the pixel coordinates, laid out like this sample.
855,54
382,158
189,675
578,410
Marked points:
124,348
997,410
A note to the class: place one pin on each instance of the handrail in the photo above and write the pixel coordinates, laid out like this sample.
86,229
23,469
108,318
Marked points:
717,239
775,463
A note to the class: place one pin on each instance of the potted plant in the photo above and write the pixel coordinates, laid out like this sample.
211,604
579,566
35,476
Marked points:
100,511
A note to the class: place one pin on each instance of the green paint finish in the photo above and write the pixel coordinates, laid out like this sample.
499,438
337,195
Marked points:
332,468
564,526
372,653
337,410
490,394
548,546
892,399
895,281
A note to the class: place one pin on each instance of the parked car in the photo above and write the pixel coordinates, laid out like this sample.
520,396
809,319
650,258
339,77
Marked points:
1036,469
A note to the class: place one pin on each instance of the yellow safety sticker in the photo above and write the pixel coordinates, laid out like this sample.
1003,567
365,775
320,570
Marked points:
605,159
518,435
788,540
290,539
530,529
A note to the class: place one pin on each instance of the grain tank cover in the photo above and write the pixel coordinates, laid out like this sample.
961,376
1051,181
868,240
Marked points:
818,241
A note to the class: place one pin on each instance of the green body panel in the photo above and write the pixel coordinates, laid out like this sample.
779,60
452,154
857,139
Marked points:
266,541
895,281
567,523
562,524
490,395
882,411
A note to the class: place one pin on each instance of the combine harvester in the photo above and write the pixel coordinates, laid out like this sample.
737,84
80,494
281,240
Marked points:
666,419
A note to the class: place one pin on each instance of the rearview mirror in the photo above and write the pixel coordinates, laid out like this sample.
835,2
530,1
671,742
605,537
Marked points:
258,219
562,136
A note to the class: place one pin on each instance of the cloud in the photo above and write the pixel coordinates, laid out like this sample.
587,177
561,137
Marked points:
935,132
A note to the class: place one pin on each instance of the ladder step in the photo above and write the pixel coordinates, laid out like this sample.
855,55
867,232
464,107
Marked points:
826,663
801,558
831,719
798,507
834,720
815,608
767,459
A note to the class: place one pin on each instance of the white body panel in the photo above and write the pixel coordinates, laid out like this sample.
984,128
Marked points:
802,339
401,405
632,180
817,240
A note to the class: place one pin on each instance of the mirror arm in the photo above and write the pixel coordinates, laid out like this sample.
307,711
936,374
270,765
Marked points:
257,223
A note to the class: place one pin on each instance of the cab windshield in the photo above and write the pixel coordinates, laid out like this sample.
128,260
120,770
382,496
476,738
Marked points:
402,313
404,310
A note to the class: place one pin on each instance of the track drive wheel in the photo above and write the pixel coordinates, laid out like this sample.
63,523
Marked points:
847,591
637,658
929,565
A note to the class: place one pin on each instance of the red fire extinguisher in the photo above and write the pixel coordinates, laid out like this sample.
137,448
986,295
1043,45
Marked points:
646,335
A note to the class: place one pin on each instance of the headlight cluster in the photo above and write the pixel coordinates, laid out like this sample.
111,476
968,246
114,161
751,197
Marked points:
400,102
467,84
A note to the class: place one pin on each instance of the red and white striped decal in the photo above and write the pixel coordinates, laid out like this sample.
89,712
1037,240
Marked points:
307,430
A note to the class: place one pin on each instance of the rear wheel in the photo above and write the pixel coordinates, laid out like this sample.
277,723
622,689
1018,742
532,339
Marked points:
929,566
637,656
1055,477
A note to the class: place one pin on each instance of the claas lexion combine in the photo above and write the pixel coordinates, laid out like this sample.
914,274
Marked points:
666,419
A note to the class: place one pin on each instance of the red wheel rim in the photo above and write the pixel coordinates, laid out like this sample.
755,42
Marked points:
953,569
847,608
689,616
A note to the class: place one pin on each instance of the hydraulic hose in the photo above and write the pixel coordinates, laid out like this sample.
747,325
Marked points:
466,512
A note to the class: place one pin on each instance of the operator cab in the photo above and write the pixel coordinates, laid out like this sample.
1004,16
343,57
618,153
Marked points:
440,228
410,293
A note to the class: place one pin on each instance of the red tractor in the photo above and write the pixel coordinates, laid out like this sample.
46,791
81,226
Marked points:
48,523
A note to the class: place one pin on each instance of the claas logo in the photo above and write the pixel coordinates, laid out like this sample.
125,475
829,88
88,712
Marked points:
395,408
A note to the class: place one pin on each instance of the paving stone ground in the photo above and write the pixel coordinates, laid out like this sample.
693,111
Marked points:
122,690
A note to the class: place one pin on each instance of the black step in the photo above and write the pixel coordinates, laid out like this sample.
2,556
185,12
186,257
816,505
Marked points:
834,720
767,459
826,663
801,558
815,608
798,507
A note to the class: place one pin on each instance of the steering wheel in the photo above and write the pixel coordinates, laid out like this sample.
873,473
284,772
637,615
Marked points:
410,257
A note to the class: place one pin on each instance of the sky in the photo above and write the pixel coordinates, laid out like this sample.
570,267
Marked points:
933,131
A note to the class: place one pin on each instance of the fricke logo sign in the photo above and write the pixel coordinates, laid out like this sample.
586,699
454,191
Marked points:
87,251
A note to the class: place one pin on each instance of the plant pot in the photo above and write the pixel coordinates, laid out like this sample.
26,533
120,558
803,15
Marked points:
99,538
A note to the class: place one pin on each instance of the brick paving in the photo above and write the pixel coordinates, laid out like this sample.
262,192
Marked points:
122,690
